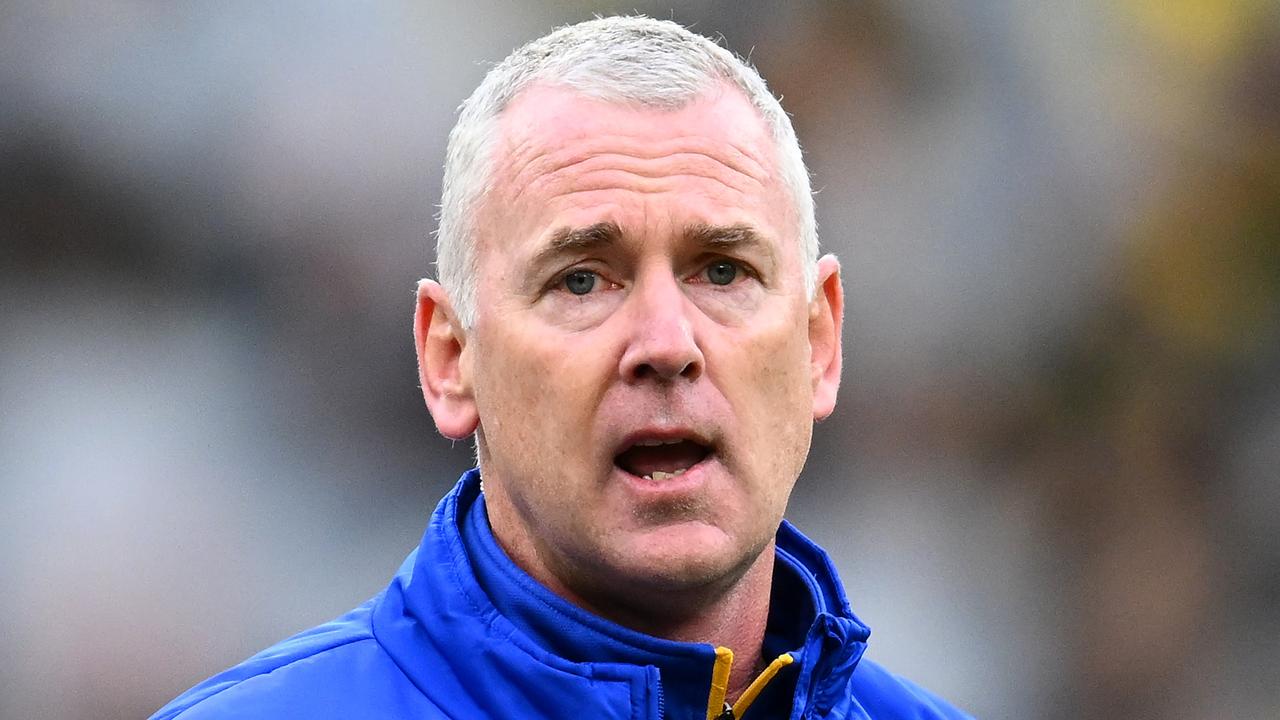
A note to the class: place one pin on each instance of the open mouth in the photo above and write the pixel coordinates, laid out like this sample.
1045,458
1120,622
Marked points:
661,459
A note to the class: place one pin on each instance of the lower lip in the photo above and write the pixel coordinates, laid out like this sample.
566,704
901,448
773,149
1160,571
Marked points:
684,483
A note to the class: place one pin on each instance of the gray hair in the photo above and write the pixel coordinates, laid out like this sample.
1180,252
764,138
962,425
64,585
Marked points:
631,60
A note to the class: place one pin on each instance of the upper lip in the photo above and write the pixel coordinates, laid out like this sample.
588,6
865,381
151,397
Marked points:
663,434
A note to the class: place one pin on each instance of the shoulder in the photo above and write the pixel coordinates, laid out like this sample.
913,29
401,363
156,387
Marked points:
334,670
886,695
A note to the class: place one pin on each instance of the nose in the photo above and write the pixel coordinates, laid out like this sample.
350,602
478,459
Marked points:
661,344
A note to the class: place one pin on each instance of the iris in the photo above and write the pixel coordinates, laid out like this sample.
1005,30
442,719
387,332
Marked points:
580,282
722,273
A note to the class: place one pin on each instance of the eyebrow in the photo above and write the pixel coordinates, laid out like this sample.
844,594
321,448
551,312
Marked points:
726,237
573,240
738,237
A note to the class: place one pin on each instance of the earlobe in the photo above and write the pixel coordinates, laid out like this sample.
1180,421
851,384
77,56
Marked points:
826,320
442,367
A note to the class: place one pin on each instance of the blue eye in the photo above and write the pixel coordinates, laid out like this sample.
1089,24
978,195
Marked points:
722,273
580,282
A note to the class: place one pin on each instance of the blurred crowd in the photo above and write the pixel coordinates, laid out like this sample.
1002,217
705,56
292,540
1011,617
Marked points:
1050,483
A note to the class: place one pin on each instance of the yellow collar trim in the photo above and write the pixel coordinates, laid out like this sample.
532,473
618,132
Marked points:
717,708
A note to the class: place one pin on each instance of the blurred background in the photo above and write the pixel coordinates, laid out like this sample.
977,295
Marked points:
1051,482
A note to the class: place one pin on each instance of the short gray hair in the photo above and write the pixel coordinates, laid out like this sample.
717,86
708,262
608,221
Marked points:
626,59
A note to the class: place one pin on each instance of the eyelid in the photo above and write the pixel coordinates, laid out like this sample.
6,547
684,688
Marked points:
557,279
745,267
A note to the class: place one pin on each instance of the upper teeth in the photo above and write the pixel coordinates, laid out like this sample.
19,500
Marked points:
655,443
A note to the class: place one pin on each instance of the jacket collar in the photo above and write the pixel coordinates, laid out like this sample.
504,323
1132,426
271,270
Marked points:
459,592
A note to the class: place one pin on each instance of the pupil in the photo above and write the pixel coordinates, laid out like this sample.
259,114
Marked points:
722,273
580,282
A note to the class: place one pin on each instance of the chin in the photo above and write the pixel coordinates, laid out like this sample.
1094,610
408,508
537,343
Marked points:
685,557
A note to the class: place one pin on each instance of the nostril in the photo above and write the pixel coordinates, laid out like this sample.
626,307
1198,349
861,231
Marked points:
688,371
661,352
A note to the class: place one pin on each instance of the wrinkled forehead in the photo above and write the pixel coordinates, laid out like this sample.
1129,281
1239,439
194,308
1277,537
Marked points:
553,142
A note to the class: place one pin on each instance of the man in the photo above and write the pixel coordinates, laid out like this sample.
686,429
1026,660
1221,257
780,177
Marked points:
633,322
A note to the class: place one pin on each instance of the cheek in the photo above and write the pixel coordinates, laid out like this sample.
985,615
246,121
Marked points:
531,390
775,405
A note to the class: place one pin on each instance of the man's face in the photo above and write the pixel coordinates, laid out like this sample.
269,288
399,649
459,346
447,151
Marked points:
641,360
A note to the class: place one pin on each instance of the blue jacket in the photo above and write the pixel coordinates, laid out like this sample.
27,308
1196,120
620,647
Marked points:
461,632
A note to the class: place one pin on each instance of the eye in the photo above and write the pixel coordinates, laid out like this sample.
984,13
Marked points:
580,282
722,272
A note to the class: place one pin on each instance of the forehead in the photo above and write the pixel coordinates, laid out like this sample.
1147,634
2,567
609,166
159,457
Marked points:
562,155
546,116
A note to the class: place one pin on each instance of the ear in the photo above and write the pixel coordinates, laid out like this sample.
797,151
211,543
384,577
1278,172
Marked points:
826,319
443,369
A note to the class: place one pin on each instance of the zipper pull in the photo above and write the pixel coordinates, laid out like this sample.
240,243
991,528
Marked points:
727,714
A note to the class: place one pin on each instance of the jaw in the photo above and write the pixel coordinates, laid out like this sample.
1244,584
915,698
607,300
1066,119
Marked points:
678,597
